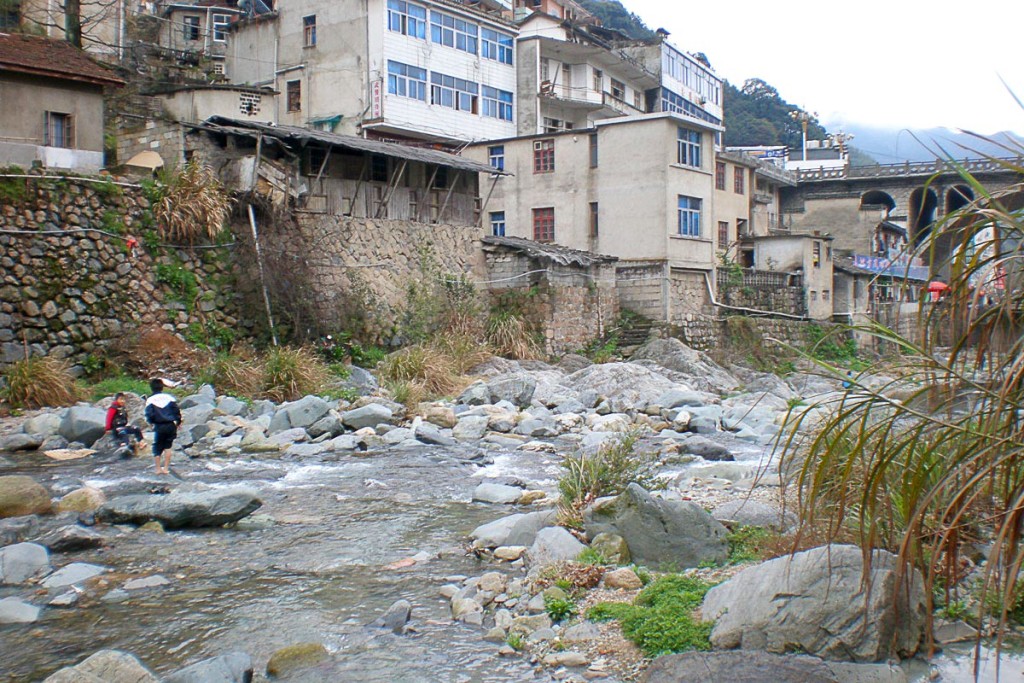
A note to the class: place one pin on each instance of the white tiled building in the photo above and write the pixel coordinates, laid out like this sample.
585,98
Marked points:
425,70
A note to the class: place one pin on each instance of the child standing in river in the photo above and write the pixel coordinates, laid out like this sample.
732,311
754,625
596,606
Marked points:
163,413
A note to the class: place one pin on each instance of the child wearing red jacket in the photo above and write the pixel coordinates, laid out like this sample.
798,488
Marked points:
117,424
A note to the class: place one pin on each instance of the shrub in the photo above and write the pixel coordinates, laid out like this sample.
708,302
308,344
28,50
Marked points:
510,335
233,374
40,382
745,543
660,620
291,373
192,206
606,472
147,349
422,365
592,557
559,608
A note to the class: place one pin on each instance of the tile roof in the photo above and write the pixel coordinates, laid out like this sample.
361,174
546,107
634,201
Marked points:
46,57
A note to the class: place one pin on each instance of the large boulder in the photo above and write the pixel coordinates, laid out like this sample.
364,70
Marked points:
302,413
627,385
659,532
107,666
85,499
554,544
815,602
756,667
43,424
516,388
367,416
697,368
14,610
180,509
23,561
489,492
20,441
84,424
234,667
21,495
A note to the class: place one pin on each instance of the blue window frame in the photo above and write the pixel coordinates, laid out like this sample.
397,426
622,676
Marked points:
458,33
496,156
498,223
689,216
407,81
497,103
407,18
496,46
689,147
454,93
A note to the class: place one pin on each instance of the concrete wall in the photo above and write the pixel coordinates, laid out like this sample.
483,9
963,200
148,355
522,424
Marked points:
103,24
198,104
795,253
71,291
24,99
731,207
643,288
166,138
172,31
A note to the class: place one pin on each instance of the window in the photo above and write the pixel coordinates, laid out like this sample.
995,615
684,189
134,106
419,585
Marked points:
555,125
452,92
191,28
737,180
618,90
543,156
638,100
816,255
407,18
593,150
407,81
689,147
545,69
544,224
719,175
594,228
309,31
689,216
294,93
723,233
598,80
741,228
378,168
498,223
58,130
447,30
220,26
814,295
496,156
441,178
828,253
10,17
825,295
496,46
497,103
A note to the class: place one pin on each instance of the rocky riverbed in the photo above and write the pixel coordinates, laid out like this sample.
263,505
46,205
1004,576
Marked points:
325,540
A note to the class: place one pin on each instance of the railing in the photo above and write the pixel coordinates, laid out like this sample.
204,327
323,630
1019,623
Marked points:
763,198
618,105
923,168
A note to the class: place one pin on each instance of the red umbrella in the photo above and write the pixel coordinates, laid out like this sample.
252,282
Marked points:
936,288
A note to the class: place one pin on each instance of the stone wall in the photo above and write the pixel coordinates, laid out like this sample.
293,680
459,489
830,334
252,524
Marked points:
691,309
166,138
69,286
762,290
331,273
571,306
641,287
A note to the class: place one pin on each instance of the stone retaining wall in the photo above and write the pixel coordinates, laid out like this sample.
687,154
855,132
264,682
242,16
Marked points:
691,307
69,286
763,291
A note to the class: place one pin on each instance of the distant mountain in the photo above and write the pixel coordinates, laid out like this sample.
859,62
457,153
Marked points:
896,145
613,15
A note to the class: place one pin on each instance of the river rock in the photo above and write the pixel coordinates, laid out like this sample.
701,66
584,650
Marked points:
526,625
752,667
626,385
514,530
20,442
44,425
570,659
234,667
396,617
197,415
23,561
71,538
330,424
516,388
537,428
659,532
367,416
582,632
497,493
470,428
554,544
431,434
229,405
204,396
622,579
750,512
510,553
681,398
705,448
815,601
612,547
72,574
154,581
463,608
83,424
180,509
21,495
285,437
476,394
85,499
17,529
106,666
295,657
17,611
697,368
302,413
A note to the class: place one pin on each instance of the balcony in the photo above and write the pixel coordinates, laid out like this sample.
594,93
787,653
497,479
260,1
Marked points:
620,106
763,198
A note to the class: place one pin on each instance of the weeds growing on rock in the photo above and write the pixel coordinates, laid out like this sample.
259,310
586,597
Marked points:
291,373
40,382
511,336
559,608
192,206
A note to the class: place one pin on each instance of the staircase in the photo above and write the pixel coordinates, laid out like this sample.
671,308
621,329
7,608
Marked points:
633,335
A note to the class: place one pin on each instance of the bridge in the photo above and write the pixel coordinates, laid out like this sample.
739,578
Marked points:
850,203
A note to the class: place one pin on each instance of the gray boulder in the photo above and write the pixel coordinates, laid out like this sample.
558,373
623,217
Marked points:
756,667
815,601
83,424
17,611
470,428
706,448
367,416
69,575
198,415
516,388
497,493
302,413
17,529
328,424
71,538
234,667
180,509
514,530
432,434
476,394
106,666
554,544
20,442
396,617
204,396
537,428
229,405
44,425
22,561
680,398
21,495
659,532
626,385
750,512
697,368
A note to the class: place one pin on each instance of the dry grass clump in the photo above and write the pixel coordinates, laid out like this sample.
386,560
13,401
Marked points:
233,374
511,336
193,206
40,382
426,366
291,373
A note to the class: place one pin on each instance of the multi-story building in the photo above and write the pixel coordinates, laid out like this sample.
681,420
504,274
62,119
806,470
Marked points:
199,28
687,84
734,176
428,70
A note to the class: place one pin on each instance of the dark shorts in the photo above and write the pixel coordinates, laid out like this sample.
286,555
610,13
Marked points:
163,437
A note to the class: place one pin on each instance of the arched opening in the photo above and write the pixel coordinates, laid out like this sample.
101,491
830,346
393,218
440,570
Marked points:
958,197
922,213
876,199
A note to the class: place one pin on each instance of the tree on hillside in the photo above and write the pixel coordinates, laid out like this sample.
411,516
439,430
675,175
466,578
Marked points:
613,15
757,115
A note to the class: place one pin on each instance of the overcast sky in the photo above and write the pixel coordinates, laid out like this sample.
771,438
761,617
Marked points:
889,63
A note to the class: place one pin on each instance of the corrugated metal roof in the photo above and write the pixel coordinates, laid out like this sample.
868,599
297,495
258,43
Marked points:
304,136
553,253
